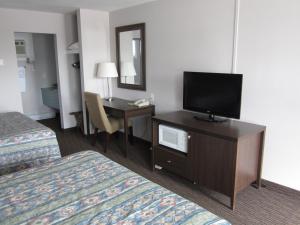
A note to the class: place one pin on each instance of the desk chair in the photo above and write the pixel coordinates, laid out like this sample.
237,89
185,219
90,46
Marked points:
101,121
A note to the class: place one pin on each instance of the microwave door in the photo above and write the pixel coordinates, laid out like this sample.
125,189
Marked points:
171,137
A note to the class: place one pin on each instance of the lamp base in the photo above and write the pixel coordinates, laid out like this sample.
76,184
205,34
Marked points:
109,99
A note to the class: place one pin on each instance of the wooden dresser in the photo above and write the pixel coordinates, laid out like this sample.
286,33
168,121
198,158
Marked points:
225,157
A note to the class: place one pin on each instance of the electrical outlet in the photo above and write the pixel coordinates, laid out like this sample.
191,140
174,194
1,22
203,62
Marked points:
1,62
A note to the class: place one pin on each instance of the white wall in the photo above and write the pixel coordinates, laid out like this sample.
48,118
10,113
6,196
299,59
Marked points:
45,63
10,96
35,22
198,35
93,29
180,35
40,73
269,56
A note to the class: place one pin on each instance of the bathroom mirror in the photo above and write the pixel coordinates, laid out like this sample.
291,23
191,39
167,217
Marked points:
130,46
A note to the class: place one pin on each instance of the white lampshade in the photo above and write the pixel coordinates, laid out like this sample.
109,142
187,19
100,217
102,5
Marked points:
106,70
127,69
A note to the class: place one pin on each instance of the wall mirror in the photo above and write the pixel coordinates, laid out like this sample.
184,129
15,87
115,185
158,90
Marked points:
131,53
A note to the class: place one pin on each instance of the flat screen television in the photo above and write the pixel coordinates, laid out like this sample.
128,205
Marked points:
216,94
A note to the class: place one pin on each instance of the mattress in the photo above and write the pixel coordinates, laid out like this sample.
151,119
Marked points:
88,188
25,143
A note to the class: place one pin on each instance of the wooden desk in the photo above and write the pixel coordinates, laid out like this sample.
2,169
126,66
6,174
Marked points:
120,108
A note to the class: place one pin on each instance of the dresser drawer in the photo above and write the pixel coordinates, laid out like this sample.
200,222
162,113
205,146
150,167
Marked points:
177,163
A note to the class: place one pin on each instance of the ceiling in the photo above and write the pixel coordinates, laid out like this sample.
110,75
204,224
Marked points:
65,6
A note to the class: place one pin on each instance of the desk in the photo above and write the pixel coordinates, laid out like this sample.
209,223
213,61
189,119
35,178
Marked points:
120,108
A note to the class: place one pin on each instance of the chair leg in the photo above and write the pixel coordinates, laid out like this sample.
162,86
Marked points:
131,135
95,136
117,134
107,140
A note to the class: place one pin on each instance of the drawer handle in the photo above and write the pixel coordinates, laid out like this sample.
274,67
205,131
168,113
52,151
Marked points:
169,161
189,136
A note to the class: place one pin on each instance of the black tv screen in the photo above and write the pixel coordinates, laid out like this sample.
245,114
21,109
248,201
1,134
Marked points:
213,93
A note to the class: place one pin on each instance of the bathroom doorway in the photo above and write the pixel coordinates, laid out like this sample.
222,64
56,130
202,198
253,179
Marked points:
37,75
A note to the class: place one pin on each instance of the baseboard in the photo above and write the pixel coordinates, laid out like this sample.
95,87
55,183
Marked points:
280,188
43,116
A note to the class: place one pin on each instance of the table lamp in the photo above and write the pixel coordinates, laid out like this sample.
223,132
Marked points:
107,70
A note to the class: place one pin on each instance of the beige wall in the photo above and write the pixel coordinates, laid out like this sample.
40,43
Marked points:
190,35
198,35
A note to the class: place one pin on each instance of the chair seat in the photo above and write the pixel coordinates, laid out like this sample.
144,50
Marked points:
117,123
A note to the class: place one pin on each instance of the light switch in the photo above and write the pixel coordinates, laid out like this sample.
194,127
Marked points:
1,62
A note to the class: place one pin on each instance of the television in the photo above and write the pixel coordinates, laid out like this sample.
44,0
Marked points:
216,94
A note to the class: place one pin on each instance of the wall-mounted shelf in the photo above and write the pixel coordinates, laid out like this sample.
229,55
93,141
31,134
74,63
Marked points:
76,51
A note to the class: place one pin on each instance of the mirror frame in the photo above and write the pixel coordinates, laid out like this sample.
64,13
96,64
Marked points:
141,28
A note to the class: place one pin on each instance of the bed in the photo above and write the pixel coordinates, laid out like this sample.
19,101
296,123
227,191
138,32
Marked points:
88,188
25,143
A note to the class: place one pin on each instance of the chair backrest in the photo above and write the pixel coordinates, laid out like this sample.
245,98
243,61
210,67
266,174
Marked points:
96,111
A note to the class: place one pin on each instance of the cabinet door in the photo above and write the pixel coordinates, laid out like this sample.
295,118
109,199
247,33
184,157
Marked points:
215,162
175,161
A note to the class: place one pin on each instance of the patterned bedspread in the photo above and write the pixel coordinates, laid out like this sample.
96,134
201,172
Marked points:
88,188
24,143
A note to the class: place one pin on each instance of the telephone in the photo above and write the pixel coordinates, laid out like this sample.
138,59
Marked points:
141,102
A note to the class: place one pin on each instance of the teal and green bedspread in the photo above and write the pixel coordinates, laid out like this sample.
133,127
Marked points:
25,143
88,188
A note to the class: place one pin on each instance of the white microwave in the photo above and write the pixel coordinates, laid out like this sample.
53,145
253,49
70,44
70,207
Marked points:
174,138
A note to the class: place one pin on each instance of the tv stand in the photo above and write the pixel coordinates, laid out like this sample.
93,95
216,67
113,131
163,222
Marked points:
211,118
225,157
